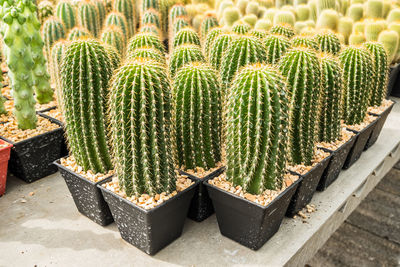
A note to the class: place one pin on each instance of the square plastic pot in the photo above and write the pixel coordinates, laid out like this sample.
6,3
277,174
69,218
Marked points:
149,230
379,126
201,205
54,120
32,158
87,196
307,187
393,74
246,222
4,157
359,145
335,165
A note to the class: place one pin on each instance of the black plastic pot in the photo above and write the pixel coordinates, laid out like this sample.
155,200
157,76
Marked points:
46,109
201,206
393,74
246,222
307,187
32,158
87,196
379,125
335,165
44,115
149,230
359,145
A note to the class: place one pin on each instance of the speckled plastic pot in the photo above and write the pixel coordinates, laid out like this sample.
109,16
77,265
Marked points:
4,157
201,205
246,222
335,165
379,126
307,187
44,115
87,196
393,74
149,230
359,145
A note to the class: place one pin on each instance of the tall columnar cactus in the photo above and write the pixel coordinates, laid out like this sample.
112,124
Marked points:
276,46
379,82
45,10
186,36
304,41
143,162
302,70
358,70
118,19
331,99
242,51
52,30
328,42
197,116
20,66
209,22
127,8
147,52
57,53
149,4
85,74
145,40
218,48
65,11
101,11
78,32
282,30
182,55
211,36
88,17
151,16
257,121
113,36
241,28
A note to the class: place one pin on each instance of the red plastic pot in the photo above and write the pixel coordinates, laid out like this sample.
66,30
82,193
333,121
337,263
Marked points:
4,157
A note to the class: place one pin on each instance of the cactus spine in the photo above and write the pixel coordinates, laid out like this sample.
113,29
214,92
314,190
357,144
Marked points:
218,48
304,41
151,16
53,30
113,55
127,8
209,22
118,19
66,13
86,71
331,99
150,28
328,42
282,30
88,17
241,28
182,55
260,34
197,116
149,53
78,32
143,160
358,72
178,24
145,40
276,47
186,36
113,36
301,68
211,36
257,115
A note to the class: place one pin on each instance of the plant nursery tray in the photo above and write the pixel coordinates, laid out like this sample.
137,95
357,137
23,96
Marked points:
247,222
4,157
87,196
201,206
307,187
149,230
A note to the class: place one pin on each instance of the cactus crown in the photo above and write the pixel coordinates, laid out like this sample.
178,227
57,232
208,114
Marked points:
147,52
151,16
186,36
285,30
328,42
145,39
209,22
88,17
118,19
182,55
304,41
66,13
276,46
218,48
241,28
113,36
78,32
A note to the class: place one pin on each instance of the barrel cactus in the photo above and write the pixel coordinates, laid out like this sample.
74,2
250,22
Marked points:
197,116
65,11
241,28
145,40
211,36
284,30
113,36
177,10
218,48
284,17
150,28
390,40
356,12
151,16
358,70
45,10
328,42
182,55
186,36
147,52
209,22
231,15
52,30
57,53
304,41
85,104
328,19
372,29
88,17
113,54
149,4
78,32
302,70
356,38
256,151
276,47
101,11
118,19
178,24
143,162
260,34
374,9
127,8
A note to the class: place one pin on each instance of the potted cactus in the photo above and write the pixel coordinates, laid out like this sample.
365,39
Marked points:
251,200
5,149
36,141
146,189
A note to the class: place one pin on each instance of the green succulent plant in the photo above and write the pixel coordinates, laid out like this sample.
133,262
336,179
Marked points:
127,8
112,35
186,36
53,30
119,20
328,42
78,32
147,52
304,41
209,22
276,47
65,11
88,17
284,30
182,55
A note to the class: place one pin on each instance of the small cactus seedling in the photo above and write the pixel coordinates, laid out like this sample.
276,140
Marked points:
149,53
151,16
276,46
218,48
358,72
186,36
65,11
118,19
328,42
145,40
182,55
284,30
304,41
78,32
113,36
241,28
88,17
52,30
209,22
85,104
257,116
197,116
144,161
127,8
302,70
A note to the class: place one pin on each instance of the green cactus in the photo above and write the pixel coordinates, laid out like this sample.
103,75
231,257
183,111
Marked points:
374,9
270,14
284,17
299,26
182,55
359,27
257,147
143,162
165,6
328,42
65,11
145,40
210,38
127,8
20,66
149,4
231,15
241,28
113,36
78,32
260,34
151,16
177,10
394,15
85,73
118,19
197,116
113,55
252,8
276,47
328,19
209,22
302,70
303,12
244,50
57,52
372,29
390,40
218,48
150,28
178,24
330,99
358,73
304,41
356,12
186,36
149,53
284,30
381,63
325,5
356,38
101,11
387,6
313,9
250,19
45,10
52,30
88,17
263,24
345,27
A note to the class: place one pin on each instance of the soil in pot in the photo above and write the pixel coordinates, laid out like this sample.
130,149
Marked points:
84,190
5,149
250,219
311,176
149,223
54,113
